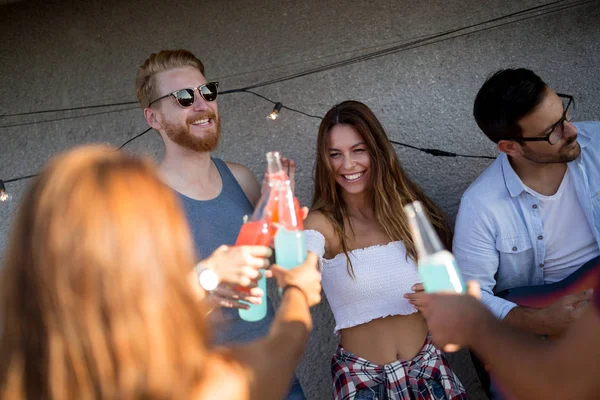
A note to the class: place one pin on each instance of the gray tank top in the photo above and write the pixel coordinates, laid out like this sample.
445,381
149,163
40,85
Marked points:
216,222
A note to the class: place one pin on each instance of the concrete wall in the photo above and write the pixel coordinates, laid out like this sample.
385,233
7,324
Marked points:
60,55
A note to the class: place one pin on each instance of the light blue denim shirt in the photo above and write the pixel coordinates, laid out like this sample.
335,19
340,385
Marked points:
499,235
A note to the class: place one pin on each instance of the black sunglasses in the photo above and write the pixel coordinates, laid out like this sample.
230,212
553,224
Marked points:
185,97
554,135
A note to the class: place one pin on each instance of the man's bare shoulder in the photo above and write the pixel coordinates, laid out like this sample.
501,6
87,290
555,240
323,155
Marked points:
246,180
238,169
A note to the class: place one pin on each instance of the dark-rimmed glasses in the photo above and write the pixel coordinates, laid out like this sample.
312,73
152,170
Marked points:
185,97
555,132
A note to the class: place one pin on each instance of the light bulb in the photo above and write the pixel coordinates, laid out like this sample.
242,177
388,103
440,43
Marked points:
273,116
4,196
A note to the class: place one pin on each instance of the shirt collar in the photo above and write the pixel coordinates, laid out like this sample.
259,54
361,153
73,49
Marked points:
582,138
513,183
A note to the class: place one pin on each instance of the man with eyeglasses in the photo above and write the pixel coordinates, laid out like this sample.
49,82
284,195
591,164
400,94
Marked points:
181,105
533,216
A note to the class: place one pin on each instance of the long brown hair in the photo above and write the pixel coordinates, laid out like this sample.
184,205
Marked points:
391,188
94,297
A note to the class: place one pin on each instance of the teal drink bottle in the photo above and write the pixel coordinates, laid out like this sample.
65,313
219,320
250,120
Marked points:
436,265
290,242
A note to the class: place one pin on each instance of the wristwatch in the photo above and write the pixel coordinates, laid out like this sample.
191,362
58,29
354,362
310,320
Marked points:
207,277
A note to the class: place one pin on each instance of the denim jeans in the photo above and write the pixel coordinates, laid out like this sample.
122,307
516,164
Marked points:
375,393
295,392
379,393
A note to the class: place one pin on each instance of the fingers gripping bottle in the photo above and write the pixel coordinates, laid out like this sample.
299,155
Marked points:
290,242
259,230
437,266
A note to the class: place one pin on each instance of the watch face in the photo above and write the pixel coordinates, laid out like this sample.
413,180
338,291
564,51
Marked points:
208,279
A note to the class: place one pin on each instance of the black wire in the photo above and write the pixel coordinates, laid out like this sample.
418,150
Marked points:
283,105
126,103
428,40
65,118
405,46
433,152
20,178
133,138
548,5
423,41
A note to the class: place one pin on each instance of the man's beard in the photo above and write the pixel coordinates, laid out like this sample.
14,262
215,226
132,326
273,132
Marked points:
181,134
561,157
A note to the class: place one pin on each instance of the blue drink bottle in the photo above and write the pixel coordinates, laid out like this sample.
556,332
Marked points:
436,265
290,242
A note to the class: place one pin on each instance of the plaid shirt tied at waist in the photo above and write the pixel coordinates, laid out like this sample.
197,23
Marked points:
403,379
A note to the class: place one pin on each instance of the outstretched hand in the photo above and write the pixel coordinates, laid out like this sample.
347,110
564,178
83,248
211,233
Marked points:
238,265
306,277
452,318
229,296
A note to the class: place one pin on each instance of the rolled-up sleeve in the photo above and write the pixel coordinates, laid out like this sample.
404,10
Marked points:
475,250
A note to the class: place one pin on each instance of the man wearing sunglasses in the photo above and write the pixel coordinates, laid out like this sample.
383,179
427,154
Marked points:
181,105
533,216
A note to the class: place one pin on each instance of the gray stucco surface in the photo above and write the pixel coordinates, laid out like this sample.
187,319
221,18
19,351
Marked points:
67,54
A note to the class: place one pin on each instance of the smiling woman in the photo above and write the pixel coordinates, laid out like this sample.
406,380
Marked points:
358,228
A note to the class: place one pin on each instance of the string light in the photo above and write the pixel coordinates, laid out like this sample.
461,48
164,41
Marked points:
273,116
4,196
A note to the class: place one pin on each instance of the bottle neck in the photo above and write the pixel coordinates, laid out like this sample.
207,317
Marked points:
274,166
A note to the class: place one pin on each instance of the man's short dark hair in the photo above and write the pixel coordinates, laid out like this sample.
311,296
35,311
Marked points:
505,98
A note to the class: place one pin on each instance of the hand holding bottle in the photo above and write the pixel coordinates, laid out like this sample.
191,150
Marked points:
436,265
306,277
229,296
238,265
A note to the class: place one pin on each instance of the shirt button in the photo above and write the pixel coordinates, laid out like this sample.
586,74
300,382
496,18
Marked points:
515,248
542,265
534,206
540,237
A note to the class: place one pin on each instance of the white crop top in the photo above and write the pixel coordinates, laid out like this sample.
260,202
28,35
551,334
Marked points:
383,275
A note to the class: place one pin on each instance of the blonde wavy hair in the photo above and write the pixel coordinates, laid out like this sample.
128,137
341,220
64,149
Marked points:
164,60
94,297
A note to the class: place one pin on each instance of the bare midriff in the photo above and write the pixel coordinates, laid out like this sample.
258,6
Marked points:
385,340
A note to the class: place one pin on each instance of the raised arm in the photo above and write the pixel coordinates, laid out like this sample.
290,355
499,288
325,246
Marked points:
267,365
527,366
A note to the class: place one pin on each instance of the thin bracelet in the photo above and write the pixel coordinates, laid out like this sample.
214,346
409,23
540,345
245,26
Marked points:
286,287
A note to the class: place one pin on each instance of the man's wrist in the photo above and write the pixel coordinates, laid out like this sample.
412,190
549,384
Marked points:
292,286
207,276
479,328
